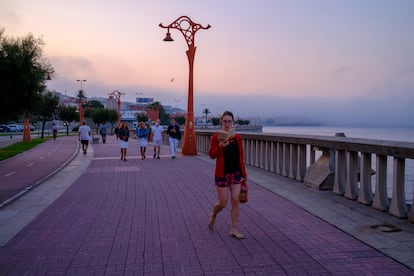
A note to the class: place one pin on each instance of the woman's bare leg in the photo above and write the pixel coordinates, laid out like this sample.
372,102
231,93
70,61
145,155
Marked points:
219,205
235,210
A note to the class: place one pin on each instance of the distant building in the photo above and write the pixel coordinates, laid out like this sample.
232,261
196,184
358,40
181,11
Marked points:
111,103
145,101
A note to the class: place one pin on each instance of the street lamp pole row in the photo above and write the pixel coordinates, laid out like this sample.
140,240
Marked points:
188,28
117,94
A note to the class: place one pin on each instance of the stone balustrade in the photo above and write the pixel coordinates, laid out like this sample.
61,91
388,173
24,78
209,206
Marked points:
293,156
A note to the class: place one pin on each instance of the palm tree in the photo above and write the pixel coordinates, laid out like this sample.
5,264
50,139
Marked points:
81,95
206,111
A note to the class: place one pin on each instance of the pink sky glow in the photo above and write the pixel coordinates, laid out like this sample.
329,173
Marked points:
257,53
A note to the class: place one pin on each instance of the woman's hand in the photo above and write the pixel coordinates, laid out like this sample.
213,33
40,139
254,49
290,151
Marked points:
225,143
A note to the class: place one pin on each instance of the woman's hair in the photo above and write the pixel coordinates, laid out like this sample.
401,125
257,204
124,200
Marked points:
227,113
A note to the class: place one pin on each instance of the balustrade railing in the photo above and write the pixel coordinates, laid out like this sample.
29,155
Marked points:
292,156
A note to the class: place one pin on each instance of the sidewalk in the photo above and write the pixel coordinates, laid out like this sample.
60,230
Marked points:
150,217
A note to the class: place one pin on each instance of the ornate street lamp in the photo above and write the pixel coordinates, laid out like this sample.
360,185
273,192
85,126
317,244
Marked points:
188,28
117,94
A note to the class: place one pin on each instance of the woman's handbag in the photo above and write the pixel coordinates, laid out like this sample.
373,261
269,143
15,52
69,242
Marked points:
243,192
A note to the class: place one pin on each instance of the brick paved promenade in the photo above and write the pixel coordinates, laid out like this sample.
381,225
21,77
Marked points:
149,217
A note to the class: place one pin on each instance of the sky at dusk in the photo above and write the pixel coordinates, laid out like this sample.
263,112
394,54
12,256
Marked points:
341,62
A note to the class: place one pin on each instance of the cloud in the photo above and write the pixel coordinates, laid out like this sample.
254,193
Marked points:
9,16
340,70
72,66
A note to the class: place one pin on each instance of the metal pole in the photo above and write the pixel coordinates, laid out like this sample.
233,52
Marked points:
188,28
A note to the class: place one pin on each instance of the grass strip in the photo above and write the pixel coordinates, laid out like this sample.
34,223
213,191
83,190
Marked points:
19,147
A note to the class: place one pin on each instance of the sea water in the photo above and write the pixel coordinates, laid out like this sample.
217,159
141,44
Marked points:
389,134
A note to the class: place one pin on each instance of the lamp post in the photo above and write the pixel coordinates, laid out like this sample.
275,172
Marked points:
81,95
117,94
188,28
81,81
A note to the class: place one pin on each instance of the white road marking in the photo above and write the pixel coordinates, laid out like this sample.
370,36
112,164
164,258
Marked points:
9,174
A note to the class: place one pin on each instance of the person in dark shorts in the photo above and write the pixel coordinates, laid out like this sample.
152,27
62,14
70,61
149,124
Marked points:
84,136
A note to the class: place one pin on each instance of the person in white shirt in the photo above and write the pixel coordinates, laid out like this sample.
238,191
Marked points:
156,133
84,135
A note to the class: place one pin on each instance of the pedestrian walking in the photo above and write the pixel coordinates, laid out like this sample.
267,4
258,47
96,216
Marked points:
102,131
149,128
123,134
142,134
174,133
156,138
84,136
116,131
226,147
55,131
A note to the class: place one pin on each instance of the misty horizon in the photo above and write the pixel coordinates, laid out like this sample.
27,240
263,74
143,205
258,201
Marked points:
386,110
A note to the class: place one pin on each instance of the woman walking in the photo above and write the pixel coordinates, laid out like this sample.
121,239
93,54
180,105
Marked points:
123,134
142,134
226,147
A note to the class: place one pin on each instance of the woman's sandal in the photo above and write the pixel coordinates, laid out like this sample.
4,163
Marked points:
211,222
236,234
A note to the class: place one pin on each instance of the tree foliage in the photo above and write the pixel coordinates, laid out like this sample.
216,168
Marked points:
206,112
113,117
215,121
104,115
46,108
23,73
163,116
180,120
67,114
91,106
141,117
100,116
96,104
242,122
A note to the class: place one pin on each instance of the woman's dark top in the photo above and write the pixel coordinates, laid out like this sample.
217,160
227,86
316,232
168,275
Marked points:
123,134
231,157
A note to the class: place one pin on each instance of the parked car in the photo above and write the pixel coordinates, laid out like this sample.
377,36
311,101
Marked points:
14,128
21,127
4,128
